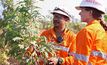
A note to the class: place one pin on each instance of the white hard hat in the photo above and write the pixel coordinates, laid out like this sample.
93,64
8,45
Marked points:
97,4
62,10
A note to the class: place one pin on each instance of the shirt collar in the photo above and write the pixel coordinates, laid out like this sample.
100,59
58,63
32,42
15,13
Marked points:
93,22
53,32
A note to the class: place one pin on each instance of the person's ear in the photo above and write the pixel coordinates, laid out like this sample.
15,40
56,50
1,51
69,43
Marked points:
90,12
67,19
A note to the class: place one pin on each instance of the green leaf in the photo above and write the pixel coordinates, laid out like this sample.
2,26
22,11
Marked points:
45,39
37,7
16,9
13,49
33,62
46,54
41,0
21,19
45,45
21,62
9,17
28,63
10,13
6,41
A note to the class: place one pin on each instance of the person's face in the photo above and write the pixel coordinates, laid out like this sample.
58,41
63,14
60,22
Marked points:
59,20
84,15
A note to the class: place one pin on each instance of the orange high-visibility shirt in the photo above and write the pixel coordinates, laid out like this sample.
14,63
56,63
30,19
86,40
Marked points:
91,45
67,50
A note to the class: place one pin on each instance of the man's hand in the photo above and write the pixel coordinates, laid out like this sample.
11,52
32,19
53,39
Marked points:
52,61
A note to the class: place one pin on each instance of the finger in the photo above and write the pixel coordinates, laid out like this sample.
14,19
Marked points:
50,59
51,63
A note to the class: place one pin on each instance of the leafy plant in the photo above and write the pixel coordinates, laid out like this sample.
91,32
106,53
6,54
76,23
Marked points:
8,7
77,26
105,18
21,31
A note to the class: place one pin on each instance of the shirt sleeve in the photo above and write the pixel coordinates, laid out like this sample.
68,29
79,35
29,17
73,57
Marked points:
84,41
70,59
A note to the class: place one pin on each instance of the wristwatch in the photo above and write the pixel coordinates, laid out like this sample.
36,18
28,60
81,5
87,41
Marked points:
59,61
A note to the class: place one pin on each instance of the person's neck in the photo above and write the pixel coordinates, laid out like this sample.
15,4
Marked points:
90,20
59,30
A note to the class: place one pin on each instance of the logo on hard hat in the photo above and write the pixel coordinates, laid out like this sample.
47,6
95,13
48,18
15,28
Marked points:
97,4
94,2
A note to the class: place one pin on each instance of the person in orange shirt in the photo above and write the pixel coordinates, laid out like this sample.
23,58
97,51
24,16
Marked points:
59,33
91,41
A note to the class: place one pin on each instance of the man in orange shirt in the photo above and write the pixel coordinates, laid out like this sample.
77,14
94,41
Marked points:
91,41
59,33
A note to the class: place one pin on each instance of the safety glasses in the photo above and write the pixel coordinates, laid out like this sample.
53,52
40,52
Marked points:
58,16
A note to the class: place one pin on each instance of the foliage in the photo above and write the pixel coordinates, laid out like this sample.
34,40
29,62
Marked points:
21,31
8,7
77,26
47,22
105,18
69,25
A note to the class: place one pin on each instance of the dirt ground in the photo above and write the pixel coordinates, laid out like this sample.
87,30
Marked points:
14,62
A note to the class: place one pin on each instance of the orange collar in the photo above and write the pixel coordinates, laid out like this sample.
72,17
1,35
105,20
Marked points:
53,32
93,22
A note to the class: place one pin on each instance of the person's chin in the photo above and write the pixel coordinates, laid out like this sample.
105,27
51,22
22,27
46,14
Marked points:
82,20
56,26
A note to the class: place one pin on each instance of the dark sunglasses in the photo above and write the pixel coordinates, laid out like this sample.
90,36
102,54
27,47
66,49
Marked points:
58,16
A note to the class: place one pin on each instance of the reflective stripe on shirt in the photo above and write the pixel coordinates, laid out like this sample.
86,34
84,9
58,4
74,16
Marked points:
62,48
71,53
89,64
106,58
97,53
82,57
41,58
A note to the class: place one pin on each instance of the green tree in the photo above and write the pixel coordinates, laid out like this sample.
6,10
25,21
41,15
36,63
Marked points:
77,26
105,18
20,31
8,7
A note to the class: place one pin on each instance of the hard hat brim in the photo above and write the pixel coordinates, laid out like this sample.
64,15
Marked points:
80,7
59,12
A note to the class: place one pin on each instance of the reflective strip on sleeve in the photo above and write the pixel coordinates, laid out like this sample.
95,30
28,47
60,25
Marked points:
62,48
97,53
71,53
41,58
82,57
106,58
89,64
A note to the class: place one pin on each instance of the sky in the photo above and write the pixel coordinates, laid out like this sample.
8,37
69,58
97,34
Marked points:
1,10
70,4
47,5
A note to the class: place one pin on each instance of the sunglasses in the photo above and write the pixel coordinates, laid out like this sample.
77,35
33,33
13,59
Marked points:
58,16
